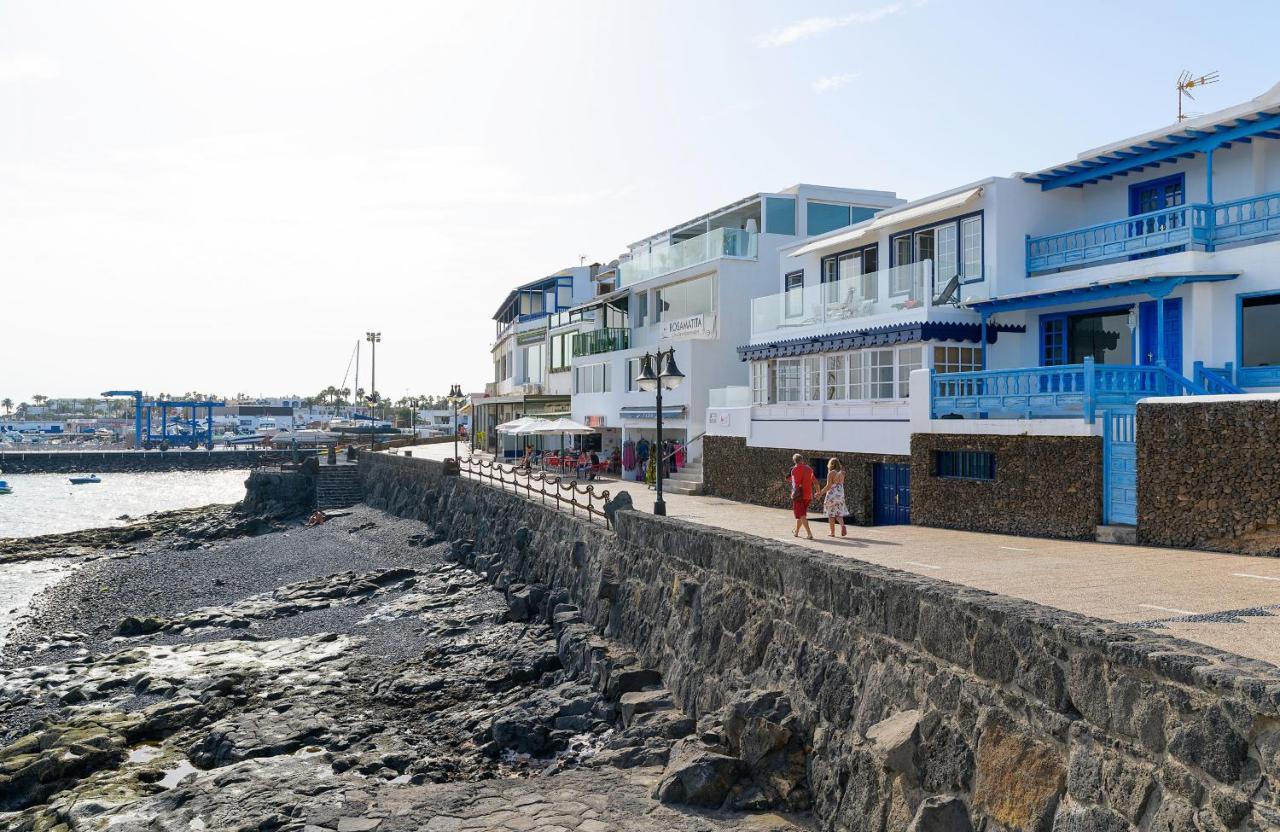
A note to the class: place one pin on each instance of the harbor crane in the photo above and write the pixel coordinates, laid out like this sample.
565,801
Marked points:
146,439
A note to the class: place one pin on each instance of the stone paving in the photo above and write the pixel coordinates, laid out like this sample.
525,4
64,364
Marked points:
1230,602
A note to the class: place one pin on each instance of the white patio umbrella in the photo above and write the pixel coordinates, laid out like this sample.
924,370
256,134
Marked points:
564,427
524,424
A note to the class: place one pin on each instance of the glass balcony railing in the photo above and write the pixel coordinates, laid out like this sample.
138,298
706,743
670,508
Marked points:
600,340
720,242
845,301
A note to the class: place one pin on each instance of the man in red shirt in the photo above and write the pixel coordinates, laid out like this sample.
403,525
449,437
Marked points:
802,482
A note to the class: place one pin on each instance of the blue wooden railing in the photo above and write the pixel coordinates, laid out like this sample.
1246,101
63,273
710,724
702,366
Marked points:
1069,390
1216,381
1197,225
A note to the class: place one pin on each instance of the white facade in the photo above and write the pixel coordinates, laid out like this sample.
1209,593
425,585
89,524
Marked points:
688,288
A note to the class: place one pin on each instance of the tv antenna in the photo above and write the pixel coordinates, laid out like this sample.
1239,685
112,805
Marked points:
1186,84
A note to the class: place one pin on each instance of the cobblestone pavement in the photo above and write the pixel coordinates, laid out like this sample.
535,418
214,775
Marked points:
1216,599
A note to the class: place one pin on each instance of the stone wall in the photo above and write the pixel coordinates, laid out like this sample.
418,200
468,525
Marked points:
735,471
1209,475
1045,486
283,493
114,462
924,705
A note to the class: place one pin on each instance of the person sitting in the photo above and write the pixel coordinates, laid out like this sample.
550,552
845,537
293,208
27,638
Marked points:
584,465
595,464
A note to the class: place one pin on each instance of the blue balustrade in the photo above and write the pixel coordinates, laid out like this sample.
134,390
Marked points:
1065,391
1154,231
1217,381
1246,219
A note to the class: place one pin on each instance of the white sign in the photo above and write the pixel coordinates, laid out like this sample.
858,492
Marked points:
695,326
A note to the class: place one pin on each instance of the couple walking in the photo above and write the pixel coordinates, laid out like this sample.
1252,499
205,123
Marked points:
803,482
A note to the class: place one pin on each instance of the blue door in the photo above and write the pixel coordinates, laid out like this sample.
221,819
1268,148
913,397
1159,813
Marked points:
1147,314
891,484
1159,200
1120,466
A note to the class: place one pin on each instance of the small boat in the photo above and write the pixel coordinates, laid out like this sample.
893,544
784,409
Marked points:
5,488
92,478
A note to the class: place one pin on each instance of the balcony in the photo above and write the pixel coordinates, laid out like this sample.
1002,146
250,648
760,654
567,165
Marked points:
844,302
1064,391
720,242
600,340
1198,225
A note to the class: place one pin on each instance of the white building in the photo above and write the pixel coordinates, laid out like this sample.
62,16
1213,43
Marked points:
524,382
1145,267
687,287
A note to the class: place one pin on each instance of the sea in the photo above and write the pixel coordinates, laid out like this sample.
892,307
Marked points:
49,503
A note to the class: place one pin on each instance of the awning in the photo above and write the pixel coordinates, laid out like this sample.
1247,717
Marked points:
675,411
882,336
894,216
1154,285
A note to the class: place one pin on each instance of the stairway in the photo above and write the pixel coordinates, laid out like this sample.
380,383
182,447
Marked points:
338,486
688,480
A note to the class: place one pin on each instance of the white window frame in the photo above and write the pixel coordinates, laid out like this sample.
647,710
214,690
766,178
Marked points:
971,235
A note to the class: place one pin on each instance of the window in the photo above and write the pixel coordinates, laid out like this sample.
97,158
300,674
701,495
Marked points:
642,308
851,275
564,295
793,286
954,246
684,300
591,378
965,465
971,248
1260,331
789,380
824,216
837,377
957,359
760,382
533,356
812,377
633,372
561,351
909,358
779,215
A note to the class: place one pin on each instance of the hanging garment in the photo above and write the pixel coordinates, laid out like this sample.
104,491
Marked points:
628,456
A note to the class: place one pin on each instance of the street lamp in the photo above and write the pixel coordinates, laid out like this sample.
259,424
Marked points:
455,399
373,338
667,377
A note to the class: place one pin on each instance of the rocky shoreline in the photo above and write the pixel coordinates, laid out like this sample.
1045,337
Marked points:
217,670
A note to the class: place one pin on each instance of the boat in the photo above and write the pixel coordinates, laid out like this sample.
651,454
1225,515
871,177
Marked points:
5,488
92,478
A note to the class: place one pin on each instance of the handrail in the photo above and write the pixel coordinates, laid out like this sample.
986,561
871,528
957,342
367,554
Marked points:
494,473
684,445
1067,390
1126,236
1216,381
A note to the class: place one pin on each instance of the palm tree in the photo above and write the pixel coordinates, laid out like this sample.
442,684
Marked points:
7,404
39,398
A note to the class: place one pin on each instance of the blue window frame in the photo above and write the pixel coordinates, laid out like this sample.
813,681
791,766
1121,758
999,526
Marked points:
965,465
1258,339
1157,195
921,243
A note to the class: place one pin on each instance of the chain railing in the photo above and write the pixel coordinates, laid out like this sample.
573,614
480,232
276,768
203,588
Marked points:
566,494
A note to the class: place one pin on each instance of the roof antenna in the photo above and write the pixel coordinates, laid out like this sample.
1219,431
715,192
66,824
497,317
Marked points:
1186,83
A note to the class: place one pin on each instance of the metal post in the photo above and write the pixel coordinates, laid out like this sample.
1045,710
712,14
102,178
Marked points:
455,430
659,506
373,392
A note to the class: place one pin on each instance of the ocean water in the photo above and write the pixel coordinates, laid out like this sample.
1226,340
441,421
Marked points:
48,503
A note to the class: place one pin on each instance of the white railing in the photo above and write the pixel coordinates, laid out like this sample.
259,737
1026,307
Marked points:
729,397
719,242
885,292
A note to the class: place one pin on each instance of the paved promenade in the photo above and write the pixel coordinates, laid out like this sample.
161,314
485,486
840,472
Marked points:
1231,602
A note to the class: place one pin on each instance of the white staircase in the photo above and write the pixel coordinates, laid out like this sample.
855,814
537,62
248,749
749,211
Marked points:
688,480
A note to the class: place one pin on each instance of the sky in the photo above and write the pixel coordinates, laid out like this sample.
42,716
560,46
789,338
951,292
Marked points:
224,197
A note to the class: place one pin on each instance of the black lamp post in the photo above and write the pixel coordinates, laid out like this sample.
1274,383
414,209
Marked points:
413,419
667,377
373,338
455,398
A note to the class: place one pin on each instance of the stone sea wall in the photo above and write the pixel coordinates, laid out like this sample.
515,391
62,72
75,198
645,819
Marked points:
1209,475
115,462
734,471
1045,486
922,705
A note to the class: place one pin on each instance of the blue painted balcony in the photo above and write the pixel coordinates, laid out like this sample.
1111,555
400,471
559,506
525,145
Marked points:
1199,226
1066,391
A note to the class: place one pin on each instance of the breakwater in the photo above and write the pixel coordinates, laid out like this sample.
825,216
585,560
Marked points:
105,462
921,704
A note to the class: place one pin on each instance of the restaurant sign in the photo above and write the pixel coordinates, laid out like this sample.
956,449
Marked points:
694,326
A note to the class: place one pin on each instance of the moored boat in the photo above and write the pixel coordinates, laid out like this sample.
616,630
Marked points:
92,478
5,488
